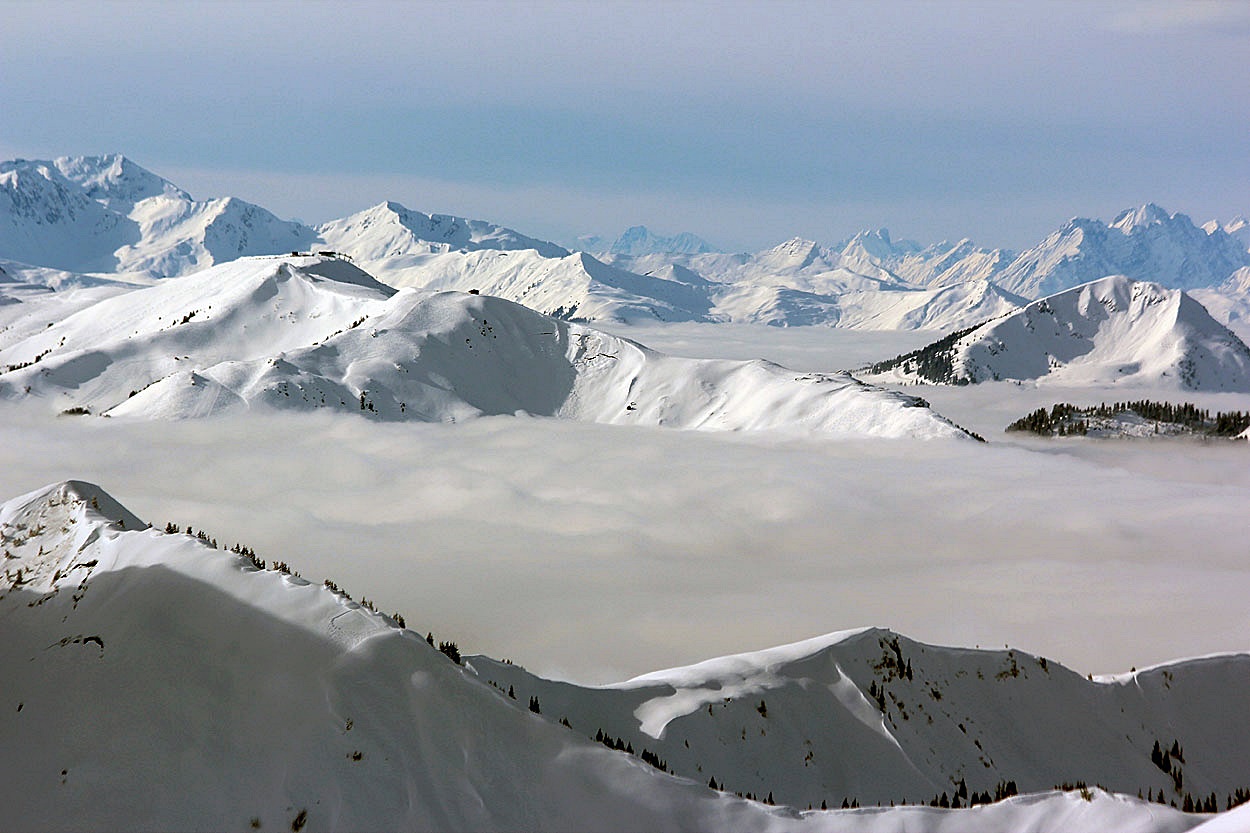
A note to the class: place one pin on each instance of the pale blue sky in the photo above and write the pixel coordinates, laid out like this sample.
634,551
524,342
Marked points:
746,123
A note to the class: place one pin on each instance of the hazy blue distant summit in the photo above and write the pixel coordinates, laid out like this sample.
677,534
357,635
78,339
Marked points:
639,240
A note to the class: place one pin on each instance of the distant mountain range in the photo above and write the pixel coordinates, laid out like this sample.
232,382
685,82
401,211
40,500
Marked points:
89,220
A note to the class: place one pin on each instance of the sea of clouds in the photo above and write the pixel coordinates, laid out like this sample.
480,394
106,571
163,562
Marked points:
596,553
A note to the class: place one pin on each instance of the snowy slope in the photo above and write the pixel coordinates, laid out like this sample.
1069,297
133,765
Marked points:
155,682
574,286
874,716
179,236
1228,303
1110,331
389,229
313,332
49,220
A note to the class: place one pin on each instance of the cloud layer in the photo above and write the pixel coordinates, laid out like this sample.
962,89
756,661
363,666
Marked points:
597,553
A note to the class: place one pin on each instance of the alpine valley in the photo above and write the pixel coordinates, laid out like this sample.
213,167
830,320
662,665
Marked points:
630,453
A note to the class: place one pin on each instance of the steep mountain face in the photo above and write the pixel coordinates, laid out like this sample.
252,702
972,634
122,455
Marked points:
314,332
1110,331
125,647
389,230
48,220
873,716
107,214
1146,244
1237,228
115,181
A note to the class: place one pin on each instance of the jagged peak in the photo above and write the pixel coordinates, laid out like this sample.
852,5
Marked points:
875,243
115,178
1146,215
640,240
795,247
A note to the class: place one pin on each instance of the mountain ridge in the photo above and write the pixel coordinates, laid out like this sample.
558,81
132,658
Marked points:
1110,331
107,216
308,708
317,332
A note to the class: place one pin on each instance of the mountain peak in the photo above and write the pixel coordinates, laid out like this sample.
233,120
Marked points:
639,240
1147,215
873,243
116,180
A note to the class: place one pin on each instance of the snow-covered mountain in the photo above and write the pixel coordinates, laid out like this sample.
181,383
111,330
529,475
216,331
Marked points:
390,230
574,287
1229,303
1238,227
107,217
107,214
941,308
639,240
154,681
873,716
317,332
1110,331
1146,244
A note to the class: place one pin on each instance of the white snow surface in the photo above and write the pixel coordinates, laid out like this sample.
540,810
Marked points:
1110,331
154,682
317,332
981,716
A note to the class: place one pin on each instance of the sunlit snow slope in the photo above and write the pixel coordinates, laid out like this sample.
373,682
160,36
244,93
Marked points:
1110,331
311,332
873,716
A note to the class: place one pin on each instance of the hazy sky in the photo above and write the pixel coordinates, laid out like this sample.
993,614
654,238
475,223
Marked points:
746,123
